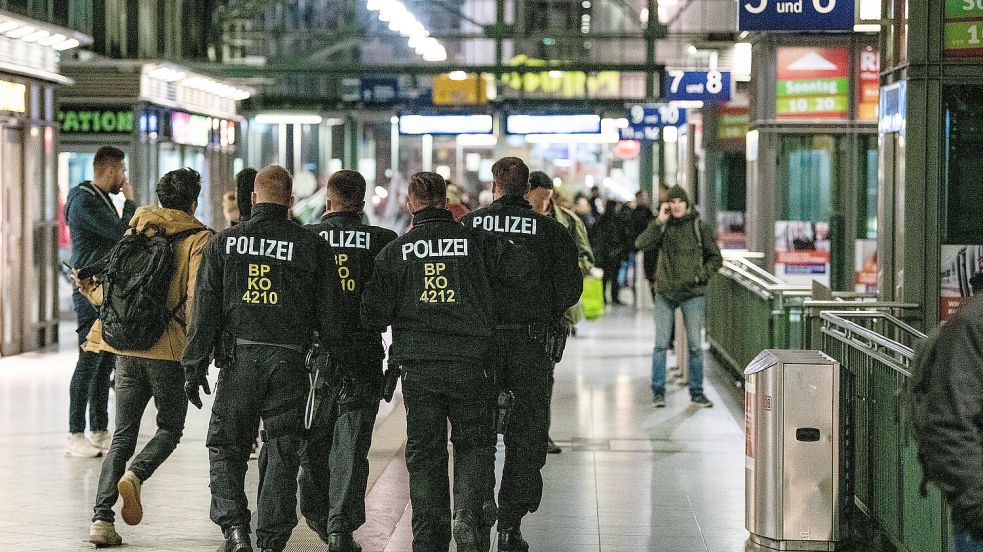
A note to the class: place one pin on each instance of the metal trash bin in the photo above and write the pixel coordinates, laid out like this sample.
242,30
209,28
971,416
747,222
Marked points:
792,453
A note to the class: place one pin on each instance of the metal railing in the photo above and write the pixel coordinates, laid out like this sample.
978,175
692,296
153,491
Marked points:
876,349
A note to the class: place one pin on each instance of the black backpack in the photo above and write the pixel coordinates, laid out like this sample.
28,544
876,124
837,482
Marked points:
135,281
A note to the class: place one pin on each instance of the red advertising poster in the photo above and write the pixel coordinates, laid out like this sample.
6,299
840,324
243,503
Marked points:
959,264
868,83
813,83
802,251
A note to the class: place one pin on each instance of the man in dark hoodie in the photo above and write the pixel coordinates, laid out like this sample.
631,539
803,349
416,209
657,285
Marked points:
687,257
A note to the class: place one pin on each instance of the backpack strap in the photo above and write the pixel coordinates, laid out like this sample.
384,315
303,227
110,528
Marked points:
178,236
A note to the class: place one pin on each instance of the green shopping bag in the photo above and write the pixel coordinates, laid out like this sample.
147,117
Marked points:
593,298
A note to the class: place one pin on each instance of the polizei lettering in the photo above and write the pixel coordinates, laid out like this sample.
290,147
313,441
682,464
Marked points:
422,249
260,247
353,239
506,224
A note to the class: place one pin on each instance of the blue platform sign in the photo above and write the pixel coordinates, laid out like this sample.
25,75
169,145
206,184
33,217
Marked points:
894,108
796,15
646,122
703,86
370,90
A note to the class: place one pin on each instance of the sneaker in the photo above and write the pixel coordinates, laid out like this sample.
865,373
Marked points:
659,400
701,401
80,447
103,534
129,491
101,440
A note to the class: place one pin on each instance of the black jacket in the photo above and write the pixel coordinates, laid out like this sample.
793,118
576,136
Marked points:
436,286
952,439
611,240
355,246
266,280
95,226
554,253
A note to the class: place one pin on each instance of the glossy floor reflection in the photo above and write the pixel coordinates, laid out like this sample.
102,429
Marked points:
630,478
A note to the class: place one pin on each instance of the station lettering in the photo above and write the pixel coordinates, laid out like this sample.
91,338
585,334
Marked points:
83,121
260,247
506,224
447,247
352,239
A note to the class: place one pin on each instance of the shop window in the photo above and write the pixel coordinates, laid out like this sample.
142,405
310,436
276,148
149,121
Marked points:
731,182
964,165
808,168
867,189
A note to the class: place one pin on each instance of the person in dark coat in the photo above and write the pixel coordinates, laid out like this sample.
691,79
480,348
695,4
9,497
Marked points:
610,242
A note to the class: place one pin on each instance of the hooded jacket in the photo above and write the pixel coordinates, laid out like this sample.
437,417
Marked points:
683,267
187,257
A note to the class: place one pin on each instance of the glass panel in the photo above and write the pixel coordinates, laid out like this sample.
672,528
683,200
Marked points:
731,182
867,189
808,166
964,164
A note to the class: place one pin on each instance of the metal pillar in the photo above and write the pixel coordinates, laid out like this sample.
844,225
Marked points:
646,169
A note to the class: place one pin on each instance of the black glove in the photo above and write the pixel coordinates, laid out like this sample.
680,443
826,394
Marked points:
192,382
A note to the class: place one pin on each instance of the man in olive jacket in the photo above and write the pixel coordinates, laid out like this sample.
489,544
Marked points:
687,257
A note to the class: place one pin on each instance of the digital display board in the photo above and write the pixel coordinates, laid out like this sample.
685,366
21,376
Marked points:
553,124
445,124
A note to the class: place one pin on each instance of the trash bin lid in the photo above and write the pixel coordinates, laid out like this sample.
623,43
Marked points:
772,357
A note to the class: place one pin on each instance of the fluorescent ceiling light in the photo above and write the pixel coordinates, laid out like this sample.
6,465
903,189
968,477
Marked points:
457,75
8,26
21,31
67,44
36,35
51,40
288,119
867,28
553,124
445,124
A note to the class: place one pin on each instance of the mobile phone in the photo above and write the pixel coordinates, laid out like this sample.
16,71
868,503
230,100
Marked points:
64,264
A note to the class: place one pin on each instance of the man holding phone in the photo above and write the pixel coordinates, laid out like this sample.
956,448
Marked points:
687,257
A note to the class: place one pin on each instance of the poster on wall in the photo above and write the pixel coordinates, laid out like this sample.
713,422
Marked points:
802,251
813,83
963,28
959,264
731,230
733,122
865,266
868,83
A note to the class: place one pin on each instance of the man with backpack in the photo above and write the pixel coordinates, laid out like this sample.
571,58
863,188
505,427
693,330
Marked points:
144,295
687,257
95,228
948,418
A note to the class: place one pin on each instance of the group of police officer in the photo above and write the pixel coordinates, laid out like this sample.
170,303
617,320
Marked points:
294,318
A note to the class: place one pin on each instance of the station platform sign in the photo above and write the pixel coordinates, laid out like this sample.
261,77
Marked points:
796,15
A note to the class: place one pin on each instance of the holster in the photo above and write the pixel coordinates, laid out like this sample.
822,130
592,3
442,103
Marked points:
391,377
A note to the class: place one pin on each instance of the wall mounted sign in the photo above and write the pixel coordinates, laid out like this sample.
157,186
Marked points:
370,90
894,107
553,124
959,263
964,28
471,90
813,83
188,129
445,124
732,122
646,122
703,86
796,15
96,119
13,96
868,83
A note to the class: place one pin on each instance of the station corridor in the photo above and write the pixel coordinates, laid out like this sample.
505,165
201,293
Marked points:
630,477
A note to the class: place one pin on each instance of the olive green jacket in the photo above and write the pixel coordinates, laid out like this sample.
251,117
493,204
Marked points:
585,254
684,267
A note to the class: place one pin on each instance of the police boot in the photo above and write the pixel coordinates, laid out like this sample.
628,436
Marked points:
466,527
342,542
237,539
510,540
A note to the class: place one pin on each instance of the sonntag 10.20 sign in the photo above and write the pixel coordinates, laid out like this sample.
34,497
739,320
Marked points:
813,83
796,15
703,86
964,28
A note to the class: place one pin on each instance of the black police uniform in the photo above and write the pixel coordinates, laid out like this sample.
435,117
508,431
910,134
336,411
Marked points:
264,287
528,327
334,459
436,287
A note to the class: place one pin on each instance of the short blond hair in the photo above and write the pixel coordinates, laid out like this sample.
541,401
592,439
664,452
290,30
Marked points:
273,185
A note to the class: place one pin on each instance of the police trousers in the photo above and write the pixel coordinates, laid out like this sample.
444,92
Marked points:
334,458
269,383
433,393
525,370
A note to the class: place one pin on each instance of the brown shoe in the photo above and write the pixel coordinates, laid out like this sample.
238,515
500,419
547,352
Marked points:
129,490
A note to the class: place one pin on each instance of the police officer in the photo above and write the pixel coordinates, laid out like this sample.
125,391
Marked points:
436,287
264,287
531,335
334,460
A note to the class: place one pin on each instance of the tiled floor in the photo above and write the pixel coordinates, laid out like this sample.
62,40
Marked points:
630,478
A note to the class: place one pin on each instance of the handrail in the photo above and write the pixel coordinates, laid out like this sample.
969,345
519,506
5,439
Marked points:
892,353
757,279
825,304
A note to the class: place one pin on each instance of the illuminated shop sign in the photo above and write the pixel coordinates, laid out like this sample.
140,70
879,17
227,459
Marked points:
188,129
561,84
96,120
813,83
553,124
13,97
445,124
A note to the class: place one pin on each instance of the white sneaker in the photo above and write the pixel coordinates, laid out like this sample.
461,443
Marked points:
80,447
103,534
101,440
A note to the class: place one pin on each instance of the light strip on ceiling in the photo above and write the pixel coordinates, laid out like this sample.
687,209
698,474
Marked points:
400,20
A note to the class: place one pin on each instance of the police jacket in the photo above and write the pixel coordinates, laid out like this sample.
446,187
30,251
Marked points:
436,286
559,282
266,280
94,223
355,247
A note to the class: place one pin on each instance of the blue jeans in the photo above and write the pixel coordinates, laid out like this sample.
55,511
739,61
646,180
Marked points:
966,543
665,312
90,381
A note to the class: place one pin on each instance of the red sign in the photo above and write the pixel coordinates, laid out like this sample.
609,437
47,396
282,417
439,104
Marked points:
813,83
869,84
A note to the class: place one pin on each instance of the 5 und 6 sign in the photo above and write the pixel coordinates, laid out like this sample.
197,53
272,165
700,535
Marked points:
796,15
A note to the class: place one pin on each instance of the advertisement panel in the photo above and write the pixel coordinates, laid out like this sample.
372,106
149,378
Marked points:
963,28
868,83
802,251
960,263
865,266
733,122
731,230
813,83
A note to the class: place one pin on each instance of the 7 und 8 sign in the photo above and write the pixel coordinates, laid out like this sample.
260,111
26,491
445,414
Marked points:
796,15
706,86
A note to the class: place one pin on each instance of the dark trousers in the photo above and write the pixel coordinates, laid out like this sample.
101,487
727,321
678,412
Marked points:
335,456
137,381
268,383
90,382
434,393
525,370
609,281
